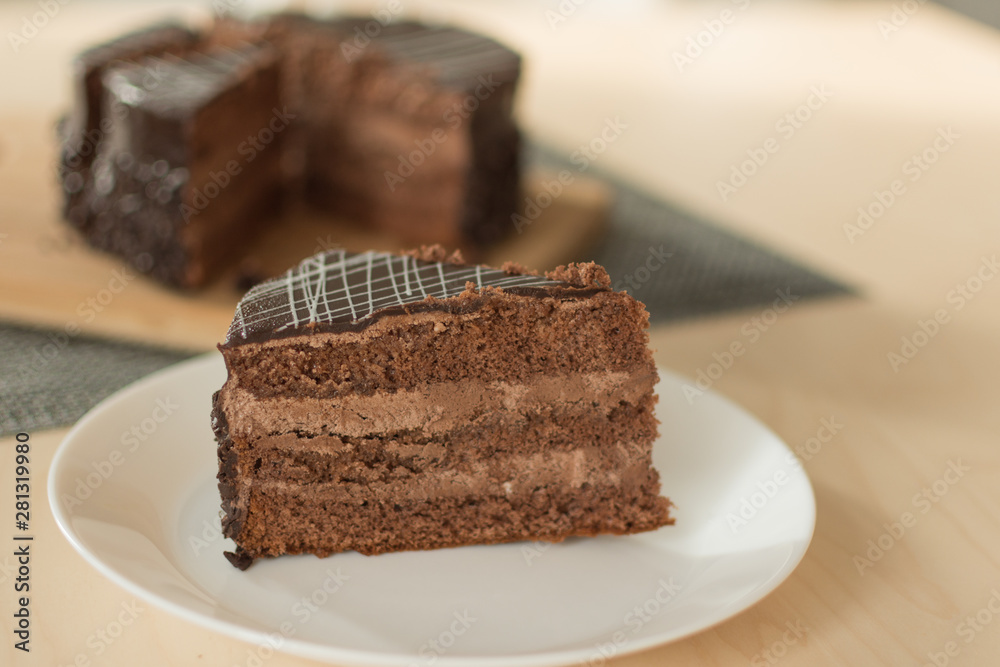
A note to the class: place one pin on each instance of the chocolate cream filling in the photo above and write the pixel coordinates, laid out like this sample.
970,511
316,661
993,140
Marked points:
513,475
435,408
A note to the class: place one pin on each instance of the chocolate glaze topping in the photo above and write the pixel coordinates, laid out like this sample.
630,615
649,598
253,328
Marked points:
454,56
90,65
180,85
340,291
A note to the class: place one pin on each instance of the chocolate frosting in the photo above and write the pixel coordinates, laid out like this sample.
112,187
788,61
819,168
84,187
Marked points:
339,291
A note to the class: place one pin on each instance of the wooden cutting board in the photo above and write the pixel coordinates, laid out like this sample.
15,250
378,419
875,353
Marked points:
50,277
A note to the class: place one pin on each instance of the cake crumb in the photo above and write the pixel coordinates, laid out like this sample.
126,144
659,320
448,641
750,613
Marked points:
582,275
435,253
515,269
439,327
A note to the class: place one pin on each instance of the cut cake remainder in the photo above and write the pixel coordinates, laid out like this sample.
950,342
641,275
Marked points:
379,402
183,146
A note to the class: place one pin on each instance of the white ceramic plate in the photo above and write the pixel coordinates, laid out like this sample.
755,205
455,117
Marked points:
133,489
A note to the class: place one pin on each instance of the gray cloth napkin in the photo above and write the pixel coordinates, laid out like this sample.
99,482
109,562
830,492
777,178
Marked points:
987,11
48,379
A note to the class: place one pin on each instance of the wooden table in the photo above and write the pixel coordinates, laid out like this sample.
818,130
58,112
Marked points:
904,567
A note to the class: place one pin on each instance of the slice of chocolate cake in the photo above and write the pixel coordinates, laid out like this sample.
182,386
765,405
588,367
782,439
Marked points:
379,402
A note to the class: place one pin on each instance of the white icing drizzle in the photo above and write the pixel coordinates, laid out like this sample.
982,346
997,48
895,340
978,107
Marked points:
368,281
406,275
239,318
314,291
444,285
326,292
420,283
289,282
392,277
347,287
325,278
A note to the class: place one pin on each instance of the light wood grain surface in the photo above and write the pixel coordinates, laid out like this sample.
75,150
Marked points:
902,425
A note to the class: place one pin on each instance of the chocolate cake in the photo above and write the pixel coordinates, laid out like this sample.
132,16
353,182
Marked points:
379,402
409,131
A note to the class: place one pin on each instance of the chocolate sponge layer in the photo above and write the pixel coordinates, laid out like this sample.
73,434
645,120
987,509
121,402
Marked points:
296,521
497,336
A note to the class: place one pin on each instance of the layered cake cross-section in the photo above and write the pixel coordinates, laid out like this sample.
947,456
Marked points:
379,402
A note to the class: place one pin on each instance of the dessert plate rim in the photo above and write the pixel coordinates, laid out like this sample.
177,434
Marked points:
87,434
